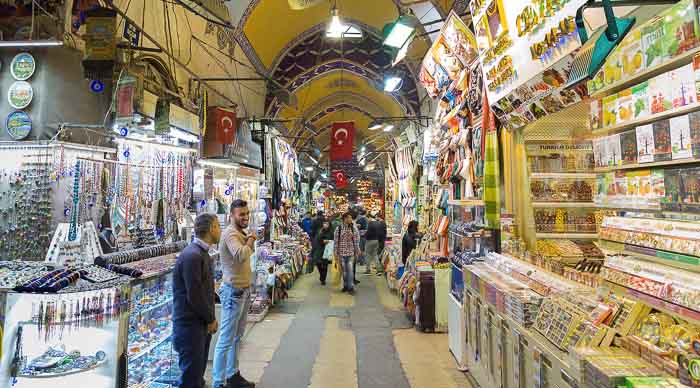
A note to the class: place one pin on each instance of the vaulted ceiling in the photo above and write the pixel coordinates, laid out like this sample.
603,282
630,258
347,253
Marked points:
332,80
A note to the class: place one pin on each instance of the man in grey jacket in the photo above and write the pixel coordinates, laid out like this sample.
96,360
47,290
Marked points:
235,250
193,302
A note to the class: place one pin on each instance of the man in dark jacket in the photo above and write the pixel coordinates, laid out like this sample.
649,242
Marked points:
193,302
376,235
317,223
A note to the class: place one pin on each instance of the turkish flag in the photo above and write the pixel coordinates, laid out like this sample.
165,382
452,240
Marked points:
341,181
226,125
342,140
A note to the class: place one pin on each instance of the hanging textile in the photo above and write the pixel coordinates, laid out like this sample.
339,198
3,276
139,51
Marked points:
492,198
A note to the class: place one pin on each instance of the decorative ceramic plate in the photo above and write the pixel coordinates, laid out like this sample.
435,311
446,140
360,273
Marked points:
20,94
18,125
23,66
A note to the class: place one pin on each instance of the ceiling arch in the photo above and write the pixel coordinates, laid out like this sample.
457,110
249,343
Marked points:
269,25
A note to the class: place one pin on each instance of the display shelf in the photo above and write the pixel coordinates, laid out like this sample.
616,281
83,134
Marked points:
581,236
639,209
670,259
482,233
633,166
646,120
562,175
466,202
149,348
154,306
646,74
66,373
667,307
563,204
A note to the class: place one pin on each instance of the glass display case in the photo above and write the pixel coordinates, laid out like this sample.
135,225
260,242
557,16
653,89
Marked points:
151,357
62,340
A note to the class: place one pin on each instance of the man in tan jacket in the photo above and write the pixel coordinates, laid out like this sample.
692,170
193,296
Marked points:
235,249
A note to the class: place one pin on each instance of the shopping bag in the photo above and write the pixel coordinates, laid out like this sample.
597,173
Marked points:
328,251
334,279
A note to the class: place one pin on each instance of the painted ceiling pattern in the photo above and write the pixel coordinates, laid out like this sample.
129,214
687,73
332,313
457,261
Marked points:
315,55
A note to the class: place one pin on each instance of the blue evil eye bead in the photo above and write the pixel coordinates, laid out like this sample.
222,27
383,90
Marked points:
203,203
97,86
66,212
123,131
228,192
126,153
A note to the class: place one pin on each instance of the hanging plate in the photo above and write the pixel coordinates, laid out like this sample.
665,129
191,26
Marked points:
18,125
23,66
20,94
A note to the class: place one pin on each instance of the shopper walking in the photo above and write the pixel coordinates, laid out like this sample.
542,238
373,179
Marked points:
347,249
193,302
410,240
376,235
307,225
235,249
323,238
317,223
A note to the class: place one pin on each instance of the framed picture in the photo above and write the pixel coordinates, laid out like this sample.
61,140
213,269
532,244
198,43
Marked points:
498,25
483,36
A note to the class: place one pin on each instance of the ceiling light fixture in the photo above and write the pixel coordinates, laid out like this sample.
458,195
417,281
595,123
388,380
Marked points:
389,128
31,43
337,29
392,83
398,33
309,168
374,125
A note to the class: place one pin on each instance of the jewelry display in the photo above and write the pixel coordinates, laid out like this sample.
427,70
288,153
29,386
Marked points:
57,362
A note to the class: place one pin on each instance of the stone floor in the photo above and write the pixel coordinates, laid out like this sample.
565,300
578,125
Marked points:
322,338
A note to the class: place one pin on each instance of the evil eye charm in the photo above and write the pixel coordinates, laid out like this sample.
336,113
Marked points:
203,203
228,192
66,212
124,131
126,153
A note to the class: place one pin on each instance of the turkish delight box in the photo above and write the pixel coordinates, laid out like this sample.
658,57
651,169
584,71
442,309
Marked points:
595,116
628,143
662,140
610,110
613,150
625,106
680,138
683,86
645,143
694,122
660,93
690,184
640,93
672,190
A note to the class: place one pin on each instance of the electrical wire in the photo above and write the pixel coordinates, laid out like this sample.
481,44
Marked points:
194,11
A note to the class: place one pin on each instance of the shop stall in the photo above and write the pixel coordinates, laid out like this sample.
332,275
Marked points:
593,285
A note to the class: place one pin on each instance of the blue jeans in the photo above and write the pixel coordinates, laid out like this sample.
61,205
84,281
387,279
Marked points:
348,277
234,315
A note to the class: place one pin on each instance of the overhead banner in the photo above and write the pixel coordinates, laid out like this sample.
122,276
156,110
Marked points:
244,150
341,180
298,5
518,43
226,125
342,140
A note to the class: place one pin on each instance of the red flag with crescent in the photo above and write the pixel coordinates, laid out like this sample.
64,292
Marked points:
226,126
342,140
341,180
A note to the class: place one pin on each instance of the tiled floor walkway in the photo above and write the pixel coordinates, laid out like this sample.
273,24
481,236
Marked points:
322,338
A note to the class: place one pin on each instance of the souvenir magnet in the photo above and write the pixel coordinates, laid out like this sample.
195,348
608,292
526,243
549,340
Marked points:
20,94
23,66
18,125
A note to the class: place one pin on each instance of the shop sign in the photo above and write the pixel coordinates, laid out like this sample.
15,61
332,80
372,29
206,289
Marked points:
126,88
544,29
18,125
100,33
244,150
148,104
131,34
20,94
183,119
23,66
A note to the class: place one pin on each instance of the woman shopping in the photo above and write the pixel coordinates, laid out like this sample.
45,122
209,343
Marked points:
323,237
347,250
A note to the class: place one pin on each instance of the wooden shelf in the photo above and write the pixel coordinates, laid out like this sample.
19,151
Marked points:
670,259
648,165
581,236
647,73
563,204
646,120
466,202
563,175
